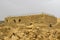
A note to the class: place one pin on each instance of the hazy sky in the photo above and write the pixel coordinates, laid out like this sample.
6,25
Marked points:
27,7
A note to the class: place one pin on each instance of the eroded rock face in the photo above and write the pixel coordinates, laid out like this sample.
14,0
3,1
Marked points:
34,27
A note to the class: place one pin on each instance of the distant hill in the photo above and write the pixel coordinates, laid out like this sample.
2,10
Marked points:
1,22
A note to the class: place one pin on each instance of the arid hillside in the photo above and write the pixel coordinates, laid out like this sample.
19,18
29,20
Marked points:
33,27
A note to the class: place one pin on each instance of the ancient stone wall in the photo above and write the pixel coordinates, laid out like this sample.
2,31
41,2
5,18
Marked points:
32,19
33,27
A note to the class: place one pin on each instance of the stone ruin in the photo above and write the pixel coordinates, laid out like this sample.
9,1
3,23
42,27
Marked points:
32,27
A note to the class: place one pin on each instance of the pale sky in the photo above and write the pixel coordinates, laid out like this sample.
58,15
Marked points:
27,7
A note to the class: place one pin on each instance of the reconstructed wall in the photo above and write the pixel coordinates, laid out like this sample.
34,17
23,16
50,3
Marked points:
32,27
41,18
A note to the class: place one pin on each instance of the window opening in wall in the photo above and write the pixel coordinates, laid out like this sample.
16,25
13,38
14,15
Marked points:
7,20
50,25
14,21
19,20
